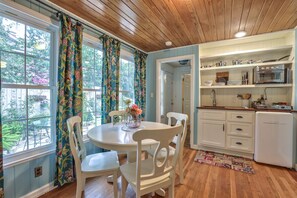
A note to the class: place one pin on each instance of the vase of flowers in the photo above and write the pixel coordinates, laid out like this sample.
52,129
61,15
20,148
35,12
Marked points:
133,114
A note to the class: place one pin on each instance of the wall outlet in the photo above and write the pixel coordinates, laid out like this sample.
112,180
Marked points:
38,171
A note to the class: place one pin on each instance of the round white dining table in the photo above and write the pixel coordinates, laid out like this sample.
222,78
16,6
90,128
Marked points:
119,138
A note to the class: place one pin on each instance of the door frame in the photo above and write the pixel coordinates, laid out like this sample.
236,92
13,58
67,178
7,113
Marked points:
158,87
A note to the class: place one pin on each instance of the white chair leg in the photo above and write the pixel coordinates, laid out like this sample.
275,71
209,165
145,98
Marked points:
124,186
180,167
79,187
115,184
171,190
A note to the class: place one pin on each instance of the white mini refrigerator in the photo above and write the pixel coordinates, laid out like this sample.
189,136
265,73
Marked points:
274,138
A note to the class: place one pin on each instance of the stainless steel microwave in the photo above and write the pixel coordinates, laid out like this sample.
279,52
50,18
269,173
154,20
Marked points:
271,74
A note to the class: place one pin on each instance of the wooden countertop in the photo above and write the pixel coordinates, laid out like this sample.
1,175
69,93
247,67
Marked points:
245,109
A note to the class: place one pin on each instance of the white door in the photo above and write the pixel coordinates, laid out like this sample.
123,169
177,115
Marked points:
186,94
166,95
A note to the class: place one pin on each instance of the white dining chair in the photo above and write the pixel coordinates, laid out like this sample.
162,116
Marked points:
116,115
86,166
181,119
149,175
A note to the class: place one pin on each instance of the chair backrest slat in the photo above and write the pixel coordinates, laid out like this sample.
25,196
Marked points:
163,137
77,146
120,114
181,119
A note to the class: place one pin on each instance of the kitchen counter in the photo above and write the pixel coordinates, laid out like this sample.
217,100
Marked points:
245,109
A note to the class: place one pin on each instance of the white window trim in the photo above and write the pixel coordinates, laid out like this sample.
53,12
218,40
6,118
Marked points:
32,18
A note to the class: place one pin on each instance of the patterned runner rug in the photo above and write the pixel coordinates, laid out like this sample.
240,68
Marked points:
226,161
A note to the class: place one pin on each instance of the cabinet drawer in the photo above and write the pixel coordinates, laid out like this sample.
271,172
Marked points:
212,115
240,143
237,116
240,129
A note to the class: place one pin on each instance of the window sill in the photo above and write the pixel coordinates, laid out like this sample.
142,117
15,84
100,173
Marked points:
19,158
27,156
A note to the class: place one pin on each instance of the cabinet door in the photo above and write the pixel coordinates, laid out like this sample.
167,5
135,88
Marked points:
212,133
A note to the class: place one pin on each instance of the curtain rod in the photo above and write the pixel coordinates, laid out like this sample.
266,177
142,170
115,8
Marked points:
88,27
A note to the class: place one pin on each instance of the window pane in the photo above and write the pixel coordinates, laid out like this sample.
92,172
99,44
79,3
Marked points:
98,69
37,71
39,132
89,101
88,78
13,104
38,43
88,121
88,54
12,68
12,35
126,82
14,137
38,102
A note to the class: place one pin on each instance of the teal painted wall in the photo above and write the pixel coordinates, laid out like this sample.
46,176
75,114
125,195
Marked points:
151,79
19,180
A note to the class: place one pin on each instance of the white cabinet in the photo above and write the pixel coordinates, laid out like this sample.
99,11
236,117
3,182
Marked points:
212,133
226,131
240,127
211,128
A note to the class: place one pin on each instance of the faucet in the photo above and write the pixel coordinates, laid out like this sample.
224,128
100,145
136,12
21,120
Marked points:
213,97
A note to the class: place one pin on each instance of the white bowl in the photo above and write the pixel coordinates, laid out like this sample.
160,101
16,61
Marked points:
207,83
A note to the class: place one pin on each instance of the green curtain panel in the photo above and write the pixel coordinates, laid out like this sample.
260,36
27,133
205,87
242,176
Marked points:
69,94
140,80
110,76
1,155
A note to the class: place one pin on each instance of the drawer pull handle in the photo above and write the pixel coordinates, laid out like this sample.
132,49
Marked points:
239,116
238,143
223,127
239,129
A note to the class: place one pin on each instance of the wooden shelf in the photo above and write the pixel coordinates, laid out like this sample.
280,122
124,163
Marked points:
246,86
247,52
245,65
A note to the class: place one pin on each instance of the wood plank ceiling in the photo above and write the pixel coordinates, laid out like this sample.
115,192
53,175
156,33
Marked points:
148,24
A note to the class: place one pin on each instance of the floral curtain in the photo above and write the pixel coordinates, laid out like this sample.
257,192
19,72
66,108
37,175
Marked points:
140,80
110,76
69,94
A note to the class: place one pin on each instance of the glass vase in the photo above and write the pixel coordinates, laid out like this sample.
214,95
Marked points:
133,122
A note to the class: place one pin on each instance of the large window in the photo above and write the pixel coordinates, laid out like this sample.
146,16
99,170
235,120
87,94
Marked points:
27,86
92,77
126,79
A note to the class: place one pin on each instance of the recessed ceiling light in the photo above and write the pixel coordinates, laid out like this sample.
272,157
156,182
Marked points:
240,34
168,43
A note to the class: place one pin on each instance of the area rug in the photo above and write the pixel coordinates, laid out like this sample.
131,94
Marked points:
226,161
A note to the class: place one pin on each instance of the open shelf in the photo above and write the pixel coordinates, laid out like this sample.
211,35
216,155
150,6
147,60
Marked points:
266,50
245,86
245,65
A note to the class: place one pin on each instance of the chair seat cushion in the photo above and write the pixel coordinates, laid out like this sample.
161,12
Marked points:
129,172
104,161
162,153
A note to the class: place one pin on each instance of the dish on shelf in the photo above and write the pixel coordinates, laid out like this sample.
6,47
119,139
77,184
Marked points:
207,83
234,82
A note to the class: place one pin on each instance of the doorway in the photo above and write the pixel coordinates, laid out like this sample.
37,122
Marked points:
175,91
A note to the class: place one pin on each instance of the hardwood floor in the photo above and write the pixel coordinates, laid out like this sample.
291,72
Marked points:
203,180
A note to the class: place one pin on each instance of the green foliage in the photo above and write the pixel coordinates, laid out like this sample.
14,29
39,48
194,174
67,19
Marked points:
11,134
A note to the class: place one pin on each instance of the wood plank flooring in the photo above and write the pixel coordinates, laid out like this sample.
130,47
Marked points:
203,180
